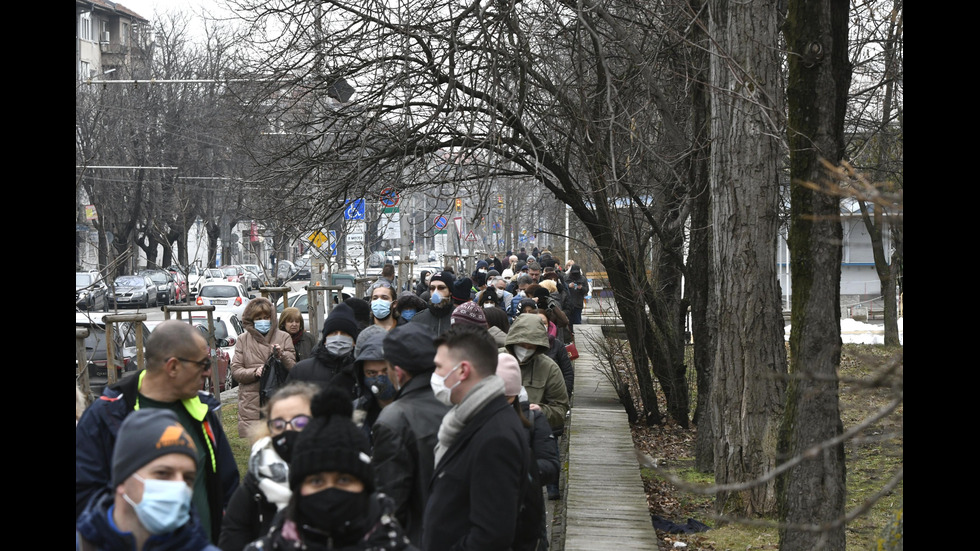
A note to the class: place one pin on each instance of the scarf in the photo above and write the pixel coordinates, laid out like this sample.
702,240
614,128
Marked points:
271,472
454,421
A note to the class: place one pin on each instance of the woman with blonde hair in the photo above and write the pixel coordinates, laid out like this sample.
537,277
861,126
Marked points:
291,321
260,340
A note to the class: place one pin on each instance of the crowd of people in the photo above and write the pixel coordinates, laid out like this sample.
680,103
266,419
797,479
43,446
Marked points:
422,419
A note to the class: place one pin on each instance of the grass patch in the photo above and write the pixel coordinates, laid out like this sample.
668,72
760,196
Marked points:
240,447
870,379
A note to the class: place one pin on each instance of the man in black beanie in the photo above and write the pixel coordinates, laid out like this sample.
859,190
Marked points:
436,317
332,363
405,433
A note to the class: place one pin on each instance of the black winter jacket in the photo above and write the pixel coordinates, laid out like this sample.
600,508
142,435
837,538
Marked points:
405,437
325,369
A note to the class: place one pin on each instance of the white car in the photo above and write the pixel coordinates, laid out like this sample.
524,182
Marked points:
225,297
227,329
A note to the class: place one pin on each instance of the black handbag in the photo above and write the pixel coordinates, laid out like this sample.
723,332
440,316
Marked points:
273,377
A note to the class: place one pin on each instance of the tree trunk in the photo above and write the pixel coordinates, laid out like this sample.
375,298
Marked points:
813,492
700,273
750,360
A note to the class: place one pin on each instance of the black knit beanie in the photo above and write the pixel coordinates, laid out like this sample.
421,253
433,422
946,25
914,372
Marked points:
362,311
331,442
341,318
461,290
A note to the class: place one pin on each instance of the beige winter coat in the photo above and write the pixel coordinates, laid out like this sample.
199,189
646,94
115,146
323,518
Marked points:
251,351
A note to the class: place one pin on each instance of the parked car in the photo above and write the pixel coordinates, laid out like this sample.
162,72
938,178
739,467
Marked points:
166,286
124,337
233,274
213,274
285,270
133,290
259,274
195,278
181,283
226,296
247,278
90,291
433,256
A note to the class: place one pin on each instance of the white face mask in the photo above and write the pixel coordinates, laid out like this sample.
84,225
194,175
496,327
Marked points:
522,353
439,388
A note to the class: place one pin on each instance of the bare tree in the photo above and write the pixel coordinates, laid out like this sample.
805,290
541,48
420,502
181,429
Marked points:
748,384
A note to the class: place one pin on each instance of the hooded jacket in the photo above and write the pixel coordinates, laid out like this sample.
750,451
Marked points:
578,287
540,375
95,437
369,347
252,507
436,319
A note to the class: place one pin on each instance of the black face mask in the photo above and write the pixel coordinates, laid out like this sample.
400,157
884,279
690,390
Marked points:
334,513
284,444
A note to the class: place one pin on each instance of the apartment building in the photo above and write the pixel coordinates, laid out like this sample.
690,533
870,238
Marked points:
110,38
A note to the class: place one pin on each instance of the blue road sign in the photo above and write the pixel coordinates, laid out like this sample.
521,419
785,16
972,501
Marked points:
333,242
441,222
354,210
389,197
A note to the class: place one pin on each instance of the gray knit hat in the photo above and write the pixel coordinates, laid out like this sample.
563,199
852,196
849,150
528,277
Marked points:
145,435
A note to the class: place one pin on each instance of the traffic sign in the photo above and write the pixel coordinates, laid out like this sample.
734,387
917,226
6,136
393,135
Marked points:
441,222
317,238
459,225
471,236
354,210
389,197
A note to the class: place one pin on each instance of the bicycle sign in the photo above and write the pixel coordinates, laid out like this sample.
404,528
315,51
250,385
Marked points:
389,197
354,210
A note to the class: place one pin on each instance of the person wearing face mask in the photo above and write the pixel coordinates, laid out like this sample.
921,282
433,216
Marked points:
265,489
528,341
291,321
384,307
261,339
177,362
376,389
405,432
482,458
332,363
409,304
333,503
441,304
147,504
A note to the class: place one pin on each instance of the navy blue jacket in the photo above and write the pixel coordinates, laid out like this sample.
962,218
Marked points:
95,437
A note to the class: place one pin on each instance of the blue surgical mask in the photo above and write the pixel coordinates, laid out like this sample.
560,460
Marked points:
380,308
263,326
408,314
435,298
165,506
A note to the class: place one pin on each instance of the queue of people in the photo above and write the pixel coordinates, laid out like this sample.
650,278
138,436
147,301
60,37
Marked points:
432,423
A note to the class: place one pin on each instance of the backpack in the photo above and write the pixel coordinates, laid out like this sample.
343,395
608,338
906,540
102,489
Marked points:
530,529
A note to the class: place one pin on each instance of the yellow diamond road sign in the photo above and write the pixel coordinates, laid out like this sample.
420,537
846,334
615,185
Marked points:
318,239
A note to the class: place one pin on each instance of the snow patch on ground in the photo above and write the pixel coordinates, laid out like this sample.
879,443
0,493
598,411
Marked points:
857,332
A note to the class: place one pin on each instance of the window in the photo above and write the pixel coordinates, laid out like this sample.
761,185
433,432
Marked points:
85,27
124,34
85,70
104,31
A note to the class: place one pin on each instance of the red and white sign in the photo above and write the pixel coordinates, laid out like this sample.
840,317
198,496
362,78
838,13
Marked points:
471,236
459,225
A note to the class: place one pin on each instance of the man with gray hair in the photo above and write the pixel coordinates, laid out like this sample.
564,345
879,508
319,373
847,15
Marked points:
177,362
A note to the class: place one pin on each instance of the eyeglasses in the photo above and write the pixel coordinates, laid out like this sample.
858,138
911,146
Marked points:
203,365
298,423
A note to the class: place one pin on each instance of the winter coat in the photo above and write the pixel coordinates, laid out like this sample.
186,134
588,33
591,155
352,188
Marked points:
383,532
559,354
477,486
252,350
251,512
370,346
304,348
544,447
437,320
95,531
325,370
540,375
578,287
95,437
405,437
